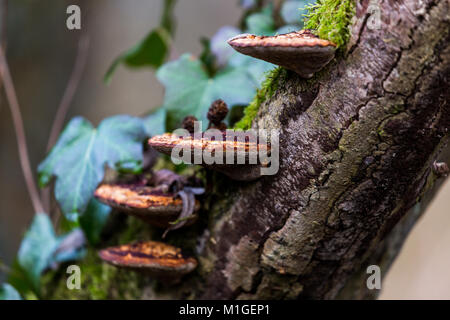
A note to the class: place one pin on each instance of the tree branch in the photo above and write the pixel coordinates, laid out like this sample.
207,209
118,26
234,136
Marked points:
72,85
20,133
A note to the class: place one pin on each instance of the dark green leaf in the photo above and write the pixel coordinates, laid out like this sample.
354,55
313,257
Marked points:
8,292
80,155
190,91
151,52
93,220
155,122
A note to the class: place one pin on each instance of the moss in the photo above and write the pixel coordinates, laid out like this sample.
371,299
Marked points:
331,19
268,87
99,281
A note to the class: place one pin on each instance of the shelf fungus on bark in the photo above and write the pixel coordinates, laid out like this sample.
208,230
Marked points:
154,205
238,158
299,51
153,258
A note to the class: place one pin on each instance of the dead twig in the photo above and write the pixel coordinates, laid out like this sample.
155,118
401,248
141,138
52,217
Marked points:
20,133
72,85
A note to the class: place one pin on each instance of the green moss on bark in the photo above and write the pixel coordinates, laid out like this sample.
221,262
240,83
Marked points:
268,87
331,19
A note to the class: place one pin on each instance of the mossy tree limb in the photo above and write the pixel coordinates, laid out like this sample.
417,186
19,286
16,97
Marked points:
356,150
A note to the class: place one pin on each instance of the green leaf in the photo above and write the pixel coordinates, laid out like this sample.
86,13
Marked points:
36,249
71,247
261,23
255,68
190,91
151,52
8,292
81,153
93,220
155,122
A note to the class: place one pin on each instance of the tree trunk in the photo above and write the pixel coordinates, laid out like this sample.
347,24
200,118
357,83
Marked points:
356,152
357,147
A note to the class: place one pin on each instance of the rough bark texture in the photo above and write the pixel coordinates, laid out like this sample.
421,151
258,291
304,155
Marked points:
357,144
356,150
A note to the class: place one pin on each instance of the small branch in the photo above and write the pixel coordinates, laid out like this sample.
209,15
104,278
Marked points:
72,85
63,108
20,133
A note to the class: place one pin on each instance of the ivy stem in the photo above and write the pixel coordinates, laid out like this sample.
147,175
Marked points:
20,133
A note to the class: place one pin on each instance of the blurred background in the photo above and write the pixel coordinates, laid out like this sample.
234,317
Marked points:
41,53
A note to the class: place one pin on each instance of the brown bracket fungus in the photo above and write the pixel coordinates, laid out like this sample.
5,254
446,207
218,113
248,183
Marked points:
149,204
244,148
302,51
153,258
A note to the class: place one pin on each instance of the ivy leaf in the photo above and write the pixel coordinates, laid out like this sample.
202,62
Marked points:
81,153
8,292
255,68
190,91
151,52
42,248
293,11
261,23
219,46
155,122
94,219
37,248
71,247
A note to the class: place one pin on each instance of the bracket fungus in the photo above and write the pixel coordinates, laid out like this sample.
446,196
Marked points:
299,51
241,149
153,258
150,204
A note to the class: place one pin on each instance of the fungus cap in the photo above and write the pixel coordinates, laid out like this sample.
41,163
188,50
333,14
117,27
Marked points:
146,203
299,51
154,258
247,149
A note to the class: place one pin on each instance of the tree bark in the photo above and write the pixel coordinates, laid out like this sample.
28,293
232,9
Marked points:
357,146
